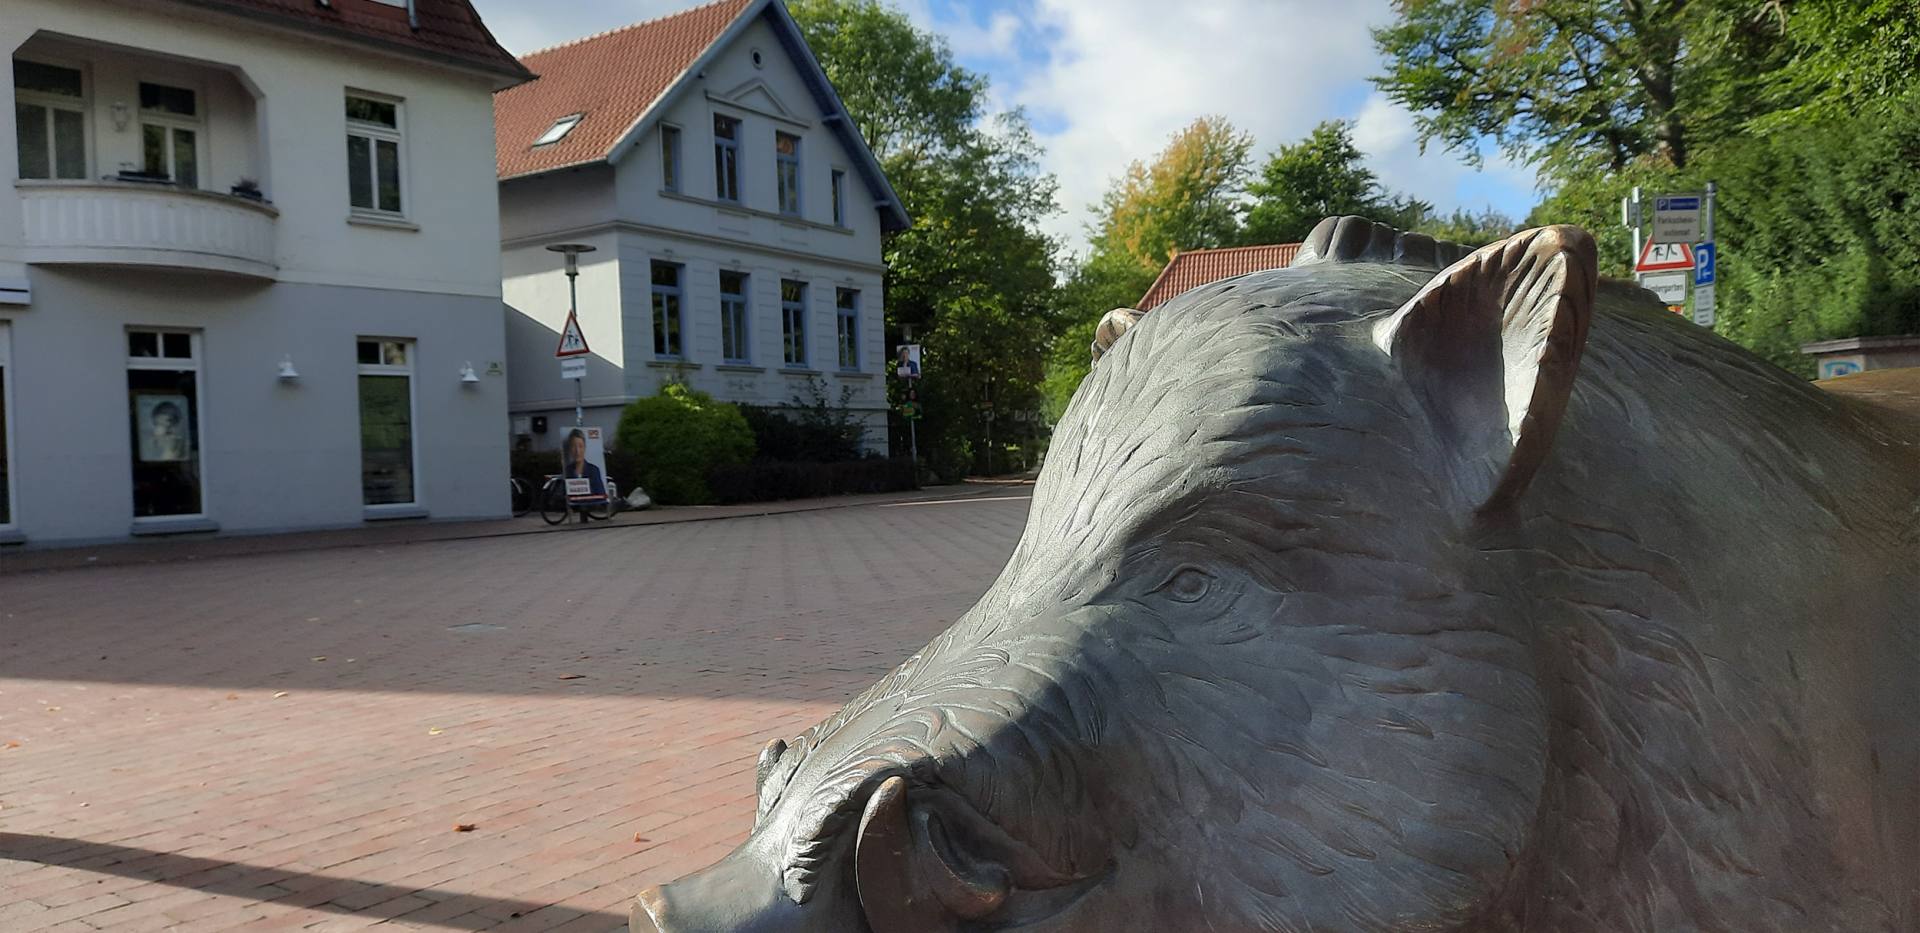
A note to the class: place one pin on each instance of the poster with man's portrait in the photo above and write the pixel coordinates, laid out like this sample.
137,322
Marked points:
906,361
583,465
164,427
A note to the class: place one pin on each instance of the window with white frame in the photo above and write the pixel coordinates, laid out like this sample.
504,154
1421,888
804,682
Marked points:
839,198
375,166
670,157
50,120
163,418
6,437
786,168
170,133
846,304
386,420
726,158
793,322
668,335
559,130
733,318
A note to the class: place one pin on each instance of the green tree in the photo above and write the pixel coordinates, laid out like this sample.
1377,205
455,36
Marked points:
1818,228
1848,56
1318,177
1578,85
1188,197
973,280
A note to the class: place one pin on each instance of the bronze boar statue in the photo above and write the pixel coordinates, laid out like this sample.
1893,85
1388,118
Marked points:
1404,589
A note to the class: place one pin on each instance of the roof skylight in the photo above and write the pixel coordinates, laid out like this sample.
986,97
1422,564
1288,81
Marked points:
559,129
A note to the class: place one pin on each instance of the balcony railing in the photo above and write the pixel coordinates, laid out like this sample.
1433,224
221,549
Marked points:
129,224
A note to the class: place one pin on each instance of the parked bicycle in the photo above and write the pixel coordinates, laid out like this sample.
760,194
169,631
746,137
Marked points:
554,507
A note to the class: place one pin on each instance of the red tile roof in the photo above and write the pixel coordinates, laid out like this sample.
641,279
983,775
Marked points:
449,30
1190,270
614,78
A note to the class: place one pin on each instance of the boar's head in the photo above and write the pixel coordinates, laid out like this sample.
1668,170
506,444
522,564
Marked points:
1249,666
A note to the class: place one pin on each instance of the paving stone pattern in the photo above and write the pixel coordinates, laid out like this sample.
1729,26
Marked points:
288,741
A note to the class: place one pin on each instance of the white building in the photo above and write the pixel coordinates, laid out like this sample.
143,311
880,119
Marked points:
736,216
248,249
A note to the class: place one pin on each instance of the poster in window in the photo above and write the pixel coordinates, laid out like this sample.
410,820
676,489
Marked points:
165,427
907,361
583,464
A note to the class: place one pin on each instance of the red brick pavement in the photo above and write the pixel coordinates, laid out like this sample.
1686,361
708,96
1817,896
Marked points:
287,741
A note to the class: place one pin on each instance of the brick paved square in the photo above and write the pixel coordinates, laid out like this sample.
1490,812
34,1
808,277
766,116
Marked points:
287,741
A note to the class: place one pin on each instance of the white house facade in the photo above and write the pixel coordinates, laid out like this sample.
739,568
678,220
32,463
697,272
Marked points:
735,214
248,256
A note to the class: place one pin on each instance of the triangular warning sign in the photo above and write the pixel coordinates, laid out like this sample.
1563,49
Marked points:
1665,257
572,341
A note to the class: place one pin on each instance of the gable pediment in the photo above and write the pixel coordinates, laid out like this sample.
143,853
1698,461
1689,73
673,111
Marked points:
755,96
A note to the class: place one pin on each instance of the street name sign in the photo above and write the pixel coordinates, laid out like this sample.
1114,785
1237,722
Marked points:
572,341
1664,257
1670,286
1676,218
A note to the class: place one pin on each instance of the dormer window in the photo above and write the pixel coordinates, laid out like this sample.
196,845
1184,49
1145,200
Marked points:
559,130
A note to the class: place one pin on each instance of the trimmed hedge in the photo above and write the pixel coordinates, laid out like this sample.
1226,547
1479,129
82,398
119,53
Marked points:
677,438
767,482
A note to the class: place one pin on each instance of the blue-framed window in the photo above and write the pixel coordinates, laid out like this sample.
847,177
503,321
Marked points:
669,157
786,167
793,322
726,158
733,318
846,303
839,198
668,335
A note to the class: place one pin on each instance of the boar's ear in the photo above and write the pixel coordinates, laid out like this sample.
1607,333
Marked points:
1491,346
913,876
1112,326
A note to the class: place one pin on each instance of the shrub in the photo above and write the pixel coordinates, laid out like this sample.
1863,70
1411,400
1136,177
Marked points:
676,438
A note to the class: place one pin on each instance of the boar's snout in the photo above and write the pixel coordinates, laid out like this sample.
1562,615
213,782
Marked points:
737,895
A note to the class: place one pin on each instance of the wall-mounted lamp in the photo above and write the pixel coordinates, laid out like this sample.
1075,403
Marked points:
467,375
122,115
287,372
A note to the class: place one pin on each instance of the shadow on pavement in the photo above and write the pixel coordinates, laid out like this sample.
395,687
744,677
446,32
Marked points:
289,888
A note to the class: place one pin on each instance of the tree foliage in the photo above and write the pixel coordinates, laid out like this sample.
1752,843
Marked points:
1321,176
973,280
1579,85
1187,197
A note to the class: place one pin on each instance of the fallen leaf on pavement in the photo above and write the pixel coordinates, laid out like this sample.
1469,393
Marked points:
464,827
53,709
13,744
639,838
233,696
572,676
436,730
321,658
280,694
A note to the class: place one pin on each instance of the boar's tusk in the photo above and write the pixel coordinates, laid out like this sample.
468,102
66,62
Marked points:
883,867
912,874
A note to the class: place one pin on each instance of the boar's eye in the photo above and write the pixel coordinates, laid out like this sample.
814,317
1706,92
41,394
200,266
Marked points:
1187,585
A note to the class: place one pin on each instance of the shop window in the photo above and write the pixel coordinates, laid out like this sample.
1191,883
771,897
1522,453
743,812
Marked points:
163,413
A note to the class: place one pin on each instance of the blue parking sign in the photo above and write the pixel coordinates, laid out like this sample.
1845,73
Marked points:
1703,256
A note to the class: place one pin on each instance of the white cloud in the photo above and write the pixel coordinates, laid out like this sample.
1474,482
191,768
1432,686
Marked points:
1386,133
524,26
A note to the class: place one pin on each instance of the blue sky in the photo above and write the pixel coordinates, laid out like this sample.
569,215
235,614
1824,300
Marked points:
1105,82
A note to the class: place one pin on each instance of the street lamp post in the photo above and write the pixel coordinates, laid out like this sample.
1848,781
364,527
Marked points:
572,251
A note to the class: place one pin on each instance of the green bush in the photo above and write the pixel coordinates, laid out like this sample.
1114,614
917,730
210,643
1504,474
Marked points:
676,438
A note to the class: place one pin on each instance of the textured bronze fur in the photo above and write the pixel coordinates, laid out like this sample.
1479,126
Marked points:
1321,624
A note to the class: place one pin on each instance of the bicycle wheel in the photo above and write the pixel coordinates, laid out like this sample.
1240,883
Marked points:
599,510
520,496
553,502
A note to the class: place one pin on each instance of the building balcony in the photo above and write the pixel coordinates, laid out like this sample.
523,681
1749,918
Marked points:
116,223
